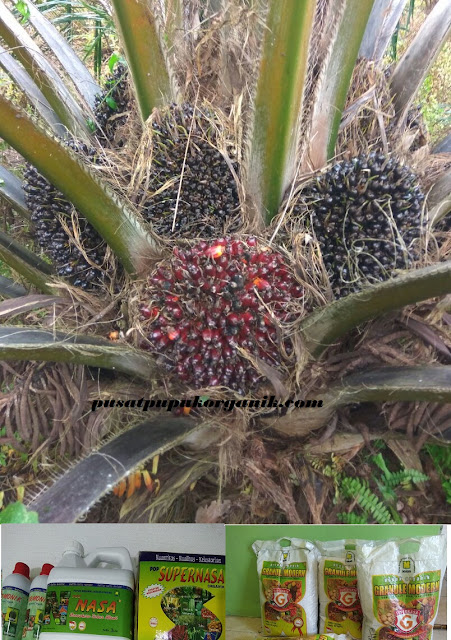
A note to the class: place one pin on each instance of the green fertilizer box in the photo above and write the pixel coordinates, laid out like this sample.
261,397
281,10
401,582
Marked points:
181,596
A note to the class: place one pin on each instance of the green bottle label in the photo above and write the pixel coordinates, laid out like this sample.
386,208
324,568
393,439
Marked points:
90,609
14,609
35,611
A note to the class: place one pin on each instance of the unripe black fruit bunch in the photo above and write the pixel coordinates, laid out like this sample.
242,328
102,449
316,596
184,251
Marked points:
208,202
111,103
49,210
365,214
207,301
444,225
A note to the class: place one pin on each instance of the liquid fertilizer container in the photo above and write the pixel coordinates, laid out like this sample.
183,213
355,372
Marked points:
36,602
89,601
15,590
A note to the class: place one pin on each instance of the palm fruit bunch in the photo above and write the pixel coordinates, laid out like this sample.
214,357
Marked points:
49,208
444,225
208,201
113,101
208,301
50,211
365,214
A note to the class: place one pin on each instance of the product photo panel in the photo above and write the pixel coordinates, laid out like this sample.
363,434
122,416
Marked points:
347,582
94,582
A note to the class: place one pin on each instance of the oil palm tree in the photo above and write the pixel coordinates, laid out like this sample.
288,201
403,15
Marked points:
200,244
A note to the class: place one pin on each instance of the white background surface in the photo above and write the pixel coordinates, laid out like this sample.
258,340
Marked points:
35,544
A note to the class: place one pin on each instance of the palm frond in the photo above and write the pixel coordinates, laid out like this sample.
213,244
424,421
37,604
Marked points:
10,289
11,191
145,57
414,65
324,326
274,137
17,343
104,209
384,18
349,19
97,474
34,95
39,68
26,263
76,71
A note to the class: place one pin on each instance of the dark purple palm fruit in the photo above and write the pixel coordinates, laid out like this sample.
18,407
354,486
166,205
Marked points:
51,212
444,225
366,214
207,301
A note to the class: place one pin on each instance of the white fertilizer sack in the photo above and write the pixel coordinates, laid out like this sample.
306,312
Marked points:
340,611
288,586
399,585
329,636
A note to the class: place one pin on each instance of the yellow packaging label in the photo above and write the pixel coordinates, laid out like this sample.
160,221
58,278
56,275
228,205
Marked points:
341,611
181,597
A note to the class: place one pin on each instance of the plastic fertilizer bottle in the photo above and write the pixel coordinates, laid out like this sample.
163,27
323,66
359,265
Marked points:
87,600
15,590
36,602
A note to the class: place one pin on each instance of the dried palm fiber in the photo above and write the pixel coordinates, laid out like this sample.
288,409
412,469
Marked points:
366,122
224,47
45,404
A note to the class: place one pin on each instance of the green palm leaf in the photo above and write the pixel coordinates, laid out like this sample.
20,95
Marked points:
275,132
144,54
44,75
20,343
324,326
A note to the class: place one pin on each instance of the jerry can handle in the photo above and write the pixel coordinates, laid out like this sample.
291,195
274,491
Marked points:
112,555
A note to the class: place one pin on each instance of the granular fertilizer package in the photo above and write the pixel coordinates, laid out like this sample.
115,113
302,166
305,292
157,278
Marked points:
288,586
181,597
399,586
340,611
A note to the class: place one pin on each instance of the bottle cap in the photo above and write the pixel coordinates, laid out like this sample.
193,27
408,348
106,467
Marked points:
46,568
23,569
75,547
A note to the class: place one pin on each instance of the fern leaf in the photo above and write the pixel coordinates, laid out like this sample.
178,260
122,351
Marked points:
367,500
406,476
352,518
